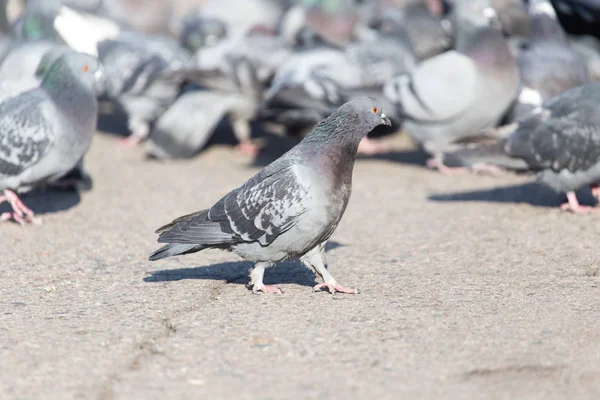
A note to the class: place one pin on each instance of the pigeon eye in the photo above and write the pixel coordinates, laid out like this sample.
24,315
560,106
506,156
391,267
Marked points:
85,68
374,110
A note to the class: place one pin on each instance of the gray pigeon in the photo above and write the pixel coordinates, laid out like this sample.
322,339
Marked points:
458,94
37,21
559,141
548,64
428,34
47,130
143,76
290,208
188,124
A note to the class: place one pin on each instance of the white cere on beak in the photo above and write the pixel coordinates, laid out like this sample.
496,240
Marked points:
98,75
489,13
382,116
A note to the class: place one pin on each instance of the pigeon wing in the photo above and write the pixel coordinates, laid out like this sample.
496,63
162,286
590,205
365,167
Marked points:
564,134
24,137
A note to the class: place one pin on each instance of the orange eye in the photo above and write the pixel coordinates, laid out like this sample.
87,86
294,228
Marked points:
85,68
374,110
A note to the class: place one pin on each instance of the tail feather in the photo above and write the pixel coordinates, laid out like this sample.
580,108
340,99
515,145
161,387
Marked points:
174,249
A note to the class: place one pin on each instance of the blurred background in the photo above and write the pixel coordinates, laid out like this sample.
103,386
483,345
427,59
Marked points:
177,75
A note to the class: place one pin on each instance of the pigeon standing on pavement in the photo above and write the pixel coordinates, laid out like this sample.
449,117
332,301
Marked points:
47,130
458,94
560,141
291,207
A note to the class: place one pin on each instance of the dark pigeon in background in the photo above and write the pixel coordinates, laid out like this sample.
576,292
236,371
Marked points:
548,64
47,130
290,208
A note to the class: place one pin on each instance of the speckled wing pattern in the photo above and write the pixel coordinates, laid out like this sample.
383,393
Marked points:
564,134
24,136
263,208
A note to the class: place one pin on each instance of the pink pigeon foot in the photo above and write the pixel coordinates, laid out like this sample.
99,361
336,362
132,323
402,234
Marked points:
332,288
595,191
573,205
434,163
21,213
130,141
248,149
371,147
267,289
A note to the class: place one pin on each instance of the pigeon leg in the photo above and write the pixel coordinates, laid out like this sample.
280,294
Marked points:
21,213
316,259
595,188
242,131
256,279
371,147
139,132
573,205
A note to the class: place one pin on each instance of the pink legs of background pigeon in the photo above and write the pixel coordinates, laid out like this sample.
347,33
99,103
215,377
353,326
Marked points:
21,213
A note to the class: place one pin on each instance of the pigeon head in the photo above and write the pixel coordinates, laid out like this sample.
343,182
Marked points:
71,68
199,32
351,122
471,15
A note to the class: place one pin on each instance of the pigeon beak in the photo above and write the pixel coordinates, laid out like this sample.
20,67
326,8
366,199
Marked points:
385,120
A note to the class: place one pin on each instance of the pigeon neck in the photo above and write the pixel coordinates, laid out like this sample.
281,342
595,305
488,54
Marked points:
487,47
546,27
37,26
336,131
68,92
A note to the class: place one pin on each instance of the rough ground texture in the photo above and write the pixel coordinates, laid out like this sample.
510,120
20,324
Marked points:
472,287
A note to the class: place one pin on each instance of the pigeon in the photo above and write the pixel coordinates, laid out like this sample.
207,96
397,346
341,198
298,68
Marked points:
548,64
47,130
290,208
560,141
313,82
183,130
143,75
37,21
458,94
513,17
427,34
197,32
241,17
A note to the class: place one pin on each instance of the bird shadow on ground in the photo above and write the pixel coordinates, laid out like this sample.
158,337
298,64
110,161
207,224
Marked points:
47,201
238,272
531,193
410,157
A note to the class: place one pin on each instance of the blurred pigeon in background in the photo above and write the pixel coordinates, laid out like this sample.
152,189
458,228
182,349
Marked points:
559,141
458,94
143,77
290,208
548,64
47,130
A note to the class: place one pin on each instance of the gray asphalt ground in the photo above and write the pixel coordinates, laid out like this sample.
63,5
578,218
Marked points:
472,287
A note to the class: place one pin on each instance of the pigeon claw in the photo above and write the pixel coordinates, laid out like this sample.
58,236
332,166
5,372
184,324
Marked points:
334,287
267,289
21,213
579,209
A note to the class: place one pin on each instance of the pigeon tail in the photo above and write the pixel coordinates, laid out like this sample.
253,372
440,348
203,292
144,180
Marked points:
488,153
174,249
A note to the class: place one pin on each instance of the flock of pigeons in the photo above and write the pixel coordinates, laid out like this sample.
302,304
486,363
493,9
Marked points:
479,84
